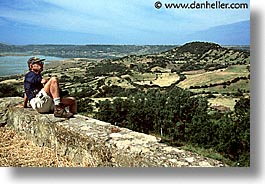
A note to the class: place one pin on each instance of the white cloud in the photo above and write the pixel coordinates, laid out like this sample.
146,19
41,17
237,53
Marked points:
118,18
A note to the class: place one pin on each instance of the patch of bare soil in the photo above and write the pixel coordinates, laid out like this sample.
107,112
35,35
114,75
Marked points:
17,151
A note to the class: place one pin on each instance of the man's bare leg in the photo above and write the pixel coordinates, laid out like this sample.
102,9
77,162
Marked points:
71,102
52,87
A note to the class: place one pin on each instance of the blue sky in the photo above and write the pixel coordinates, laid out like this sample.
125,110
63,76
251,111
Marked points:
117,22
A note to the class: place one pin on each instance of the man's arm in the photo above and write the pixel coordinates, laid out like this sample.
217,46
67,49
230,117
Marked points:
25,102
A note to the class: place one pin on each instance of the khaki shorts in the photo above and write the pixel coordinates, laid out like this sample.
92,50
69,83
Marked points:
42,103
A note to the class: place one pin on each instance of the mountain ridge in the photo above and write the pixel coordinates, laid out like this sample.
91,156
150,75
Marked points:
237,33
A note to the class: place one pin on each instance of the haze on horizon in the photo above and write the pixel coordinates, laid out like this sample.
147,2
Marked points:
120,22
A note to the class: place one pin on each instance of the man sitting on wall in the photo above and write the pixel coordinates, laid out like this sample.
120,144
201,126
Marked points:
44,95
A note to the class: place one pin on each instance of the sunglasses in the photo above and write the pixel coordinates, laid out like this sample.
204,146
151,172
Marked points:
38,62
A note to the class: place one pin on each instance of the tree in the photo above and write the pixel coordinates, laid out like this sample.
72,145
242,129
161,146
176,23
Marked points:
181,117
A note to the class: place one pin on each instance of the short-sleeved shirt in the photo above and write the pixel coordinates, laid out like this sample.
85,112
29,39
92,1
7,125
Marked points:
32,84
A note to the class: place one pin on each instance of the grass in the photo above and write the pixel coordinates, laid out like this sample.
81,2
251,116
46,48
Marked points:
228,102
160,79
210,153
17,151
118,82
166,79
207,79
218,76
143,76
237,69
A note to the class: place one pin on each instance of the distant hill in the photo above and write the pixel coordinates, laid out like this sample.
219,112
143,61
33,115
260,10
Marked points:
206,52
231,34
87,51
9,48
197,47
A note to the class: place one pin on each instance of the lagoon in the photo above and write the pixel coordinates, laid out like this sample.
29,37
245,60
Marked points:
13,65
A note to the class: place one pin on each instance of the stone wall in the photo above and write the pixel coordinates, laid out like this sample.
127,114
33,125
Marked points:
95,143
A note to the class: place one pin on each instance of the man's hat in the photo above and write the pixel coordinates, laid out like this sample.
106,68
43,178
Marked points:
33,60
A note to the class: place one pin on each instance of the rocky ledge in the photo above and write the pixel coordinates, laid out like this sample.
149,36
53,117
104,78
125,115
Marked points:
95,143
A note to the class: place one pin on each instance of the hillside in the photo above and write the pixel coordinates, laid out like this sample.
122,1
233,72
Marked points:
198,66
194,87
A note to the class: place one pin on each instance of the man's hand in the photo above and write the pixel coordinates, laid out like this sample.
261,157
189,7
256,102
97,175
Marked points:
21,106
44,81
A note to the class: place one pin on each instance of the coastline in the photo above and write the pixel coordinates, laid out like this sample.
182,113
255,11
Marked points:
14,54
15,64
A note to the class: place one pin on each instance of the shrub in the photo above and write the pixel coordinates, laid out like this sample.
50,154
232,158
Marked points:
8,90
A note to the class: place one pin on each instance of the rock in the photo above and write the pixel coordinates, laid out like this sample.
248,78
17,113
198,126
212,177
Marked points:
189,159
87,140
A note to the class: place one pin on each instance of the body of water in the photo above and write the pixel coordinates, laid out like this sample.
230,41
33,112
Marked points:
12,65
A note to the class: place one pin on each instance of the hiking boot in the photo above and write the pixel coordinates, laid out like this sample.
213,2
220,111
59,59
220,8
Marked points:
60,112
